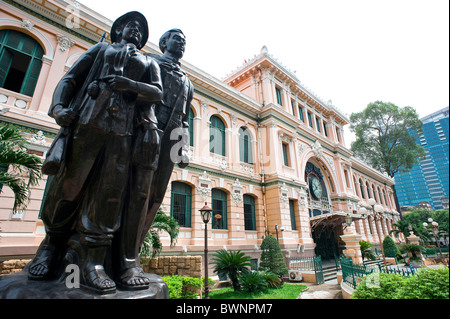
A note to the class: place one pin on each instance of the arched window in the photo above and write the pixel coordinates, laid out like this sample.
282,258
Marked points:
249,212
181,203
217,136
362,190
219,207
20,62
191,127
245,146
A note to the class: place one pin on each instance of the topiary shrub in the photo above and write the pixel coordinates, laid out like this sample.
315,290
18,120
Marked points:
390,248
271,258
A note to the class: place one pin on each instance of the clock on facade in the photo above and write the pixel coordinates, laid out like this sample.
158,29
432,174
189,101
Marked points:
315,187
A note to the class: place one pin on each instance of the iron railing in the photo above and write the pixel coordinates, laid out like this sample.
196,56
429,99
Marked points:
352,274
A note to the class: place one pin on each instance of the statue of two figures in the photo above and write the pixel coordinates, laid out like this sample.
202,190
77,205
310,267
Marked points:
111,161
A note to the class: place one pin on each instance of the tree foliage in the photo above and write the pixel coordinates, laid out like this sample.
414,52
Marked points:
366,250
386,137
427,283
14,155
152,245
272,258
231,263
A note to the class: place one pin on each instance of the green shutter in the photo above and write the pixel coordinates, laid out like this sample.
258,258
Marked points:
300,111
31,77
245,147
249,213
292,212
5,63
219,207
181,203
191,127
285,154
217,136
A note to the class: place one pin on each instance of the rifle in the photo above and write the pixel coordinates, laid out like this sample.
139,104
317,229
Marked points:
56,153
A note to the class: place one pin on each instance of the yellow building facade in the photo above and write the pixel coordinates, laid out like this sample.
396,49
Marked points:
266,154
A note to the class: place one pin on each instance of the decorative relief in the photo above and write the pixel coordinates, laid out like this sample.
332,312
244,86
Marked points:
64,42
284,199
27,24
330,162
301,148
317,149
285,138
236,194
303,198
38,138
203,187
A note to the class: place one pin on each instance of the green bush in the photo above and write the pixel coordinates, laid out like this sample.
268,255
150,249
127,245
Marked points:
175,285
382,287
273,281
427,283
181,287
390,248
231,263
272,258
253,281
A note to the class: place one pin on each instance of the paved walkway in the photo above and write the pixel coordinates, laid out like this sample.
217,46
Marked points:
328,290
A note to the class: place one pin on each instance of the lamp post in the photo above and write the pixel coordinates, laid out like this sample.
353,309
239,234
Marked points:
276,229
206,212
434,228
377,210
347,221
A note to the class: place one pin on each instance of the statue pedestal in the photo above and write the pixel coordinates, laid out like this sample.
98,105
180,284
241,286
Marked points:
18,286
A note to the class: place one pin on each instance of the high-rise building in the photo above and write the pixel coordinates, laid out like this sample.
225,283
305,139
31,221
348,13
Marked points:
428,181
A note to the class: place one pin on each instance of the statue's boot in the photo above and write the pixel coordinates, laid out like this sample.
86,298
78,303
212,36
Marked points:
132,276
93,274
43,264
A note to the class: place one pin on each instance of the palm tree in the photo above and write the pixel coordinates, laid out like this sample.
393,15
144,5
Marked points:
401,227
231,263
15,162
366,250
152,245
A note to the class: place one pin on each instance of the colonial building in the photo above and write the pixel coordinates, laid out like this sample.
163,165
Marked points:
266,154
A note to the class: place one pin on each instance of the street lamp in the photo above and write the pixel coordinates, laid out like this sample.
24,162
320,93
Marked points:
377,210
434,228
206,212
347,221
276,229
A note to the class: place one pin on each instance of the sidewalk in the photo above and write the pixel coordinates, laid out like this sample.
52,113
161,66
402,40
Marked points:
328,290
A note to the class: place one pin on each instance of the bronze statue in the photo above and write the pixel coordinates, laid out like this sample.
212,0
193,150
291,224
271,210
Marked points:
97,199
172,114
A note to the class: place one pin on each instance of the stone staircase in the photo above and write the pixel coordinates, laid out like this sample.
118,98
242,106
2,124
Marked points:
330,271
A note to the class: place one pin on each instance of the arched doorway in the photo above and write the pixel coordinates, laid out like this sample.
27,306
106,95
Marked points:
326,226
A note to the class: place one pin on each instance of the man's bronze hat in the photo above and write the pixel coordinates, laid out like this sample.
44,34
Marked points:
120,23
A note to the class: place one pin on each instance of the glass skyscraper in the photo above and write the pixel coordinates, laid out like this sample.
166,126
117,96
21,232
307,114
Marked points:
429,180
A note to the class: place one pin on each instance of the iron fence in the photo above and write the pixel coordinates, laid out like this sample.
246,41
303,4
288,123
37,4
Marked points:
308,264
352,274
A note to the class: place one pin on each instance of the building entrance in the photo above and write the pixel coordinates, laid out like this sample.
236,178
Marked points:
326,235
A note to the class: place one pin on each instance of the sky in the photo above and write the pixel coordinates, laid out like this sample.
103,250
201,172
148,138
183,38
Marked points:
352,52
